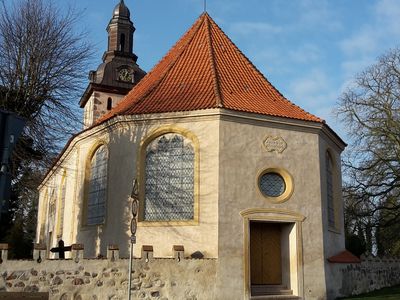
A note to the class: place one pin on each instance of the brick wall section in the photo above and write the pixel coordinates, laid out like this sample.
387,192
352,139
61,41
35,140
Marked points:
106,279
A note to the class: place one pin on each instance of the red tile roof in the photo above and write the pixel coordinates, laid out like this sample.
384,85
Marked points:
206,70
344,257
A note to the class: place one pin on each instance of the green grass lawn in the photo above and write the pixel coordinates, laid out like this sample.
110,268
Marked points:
392,293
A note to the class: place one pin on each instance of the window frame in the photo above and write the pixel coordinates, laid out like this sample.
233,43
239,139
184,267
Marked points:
287,178
52,211
142,169
332,224
88,166
61,204
109,104
43,210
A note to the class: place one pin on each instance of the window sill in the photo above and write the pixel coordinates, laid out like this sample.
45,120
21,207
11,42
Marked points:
167,223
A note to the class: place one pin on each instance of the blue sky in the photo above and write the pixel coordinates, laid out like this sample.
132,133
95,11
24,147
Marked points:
309,49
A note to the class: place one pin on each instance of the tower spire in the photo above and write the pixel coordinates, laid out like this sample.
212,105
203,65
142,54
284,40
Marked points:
120,30
119,71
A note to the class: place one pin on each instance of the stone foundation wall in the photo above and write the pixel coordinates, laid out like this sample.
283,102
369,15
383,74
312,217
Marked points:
186,279
176,278
371,274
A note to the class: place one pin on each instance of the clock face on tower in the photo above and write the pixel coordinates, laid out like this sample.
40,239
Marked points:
125,75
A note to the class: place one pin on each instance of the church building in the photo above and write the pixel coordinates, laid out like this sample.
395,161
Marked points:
225,165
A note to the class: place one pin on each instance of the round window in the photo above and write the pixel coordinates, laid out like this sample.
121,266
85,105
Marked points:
272,184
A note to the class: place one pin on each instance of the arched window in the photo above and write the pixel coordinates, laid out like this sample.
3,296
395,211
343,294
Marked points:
109,103
169,179
329,190
52,210
63,189
131,43
43,214
122,42
97,187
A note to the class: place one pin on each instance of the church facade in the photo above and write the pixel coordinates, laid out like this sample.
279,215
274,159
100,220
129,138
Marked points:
225,165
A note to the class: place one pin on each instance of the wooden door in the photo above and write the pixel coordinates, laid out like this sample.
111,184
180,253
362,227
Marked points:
265,253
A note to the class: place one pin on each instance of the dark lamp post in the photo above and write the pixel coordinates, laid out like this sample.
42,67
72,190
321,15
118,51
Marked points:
11,127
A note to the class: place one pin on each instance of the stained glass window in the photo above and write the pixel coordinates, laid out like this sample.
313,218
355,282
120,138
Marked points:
96,201
272,184
329,190
169,179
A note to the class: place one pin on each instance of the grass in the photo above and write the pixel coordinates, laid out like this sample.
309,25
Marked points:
390,293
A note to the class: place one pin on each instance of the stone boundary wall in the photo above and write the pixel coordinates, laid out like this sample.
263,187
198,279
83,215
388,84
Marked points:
372,273
98,279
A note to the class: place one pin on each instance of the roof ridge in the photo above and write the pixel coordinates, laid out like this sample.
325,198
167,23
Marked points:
205,69
217,89
257,71
168,68
162,75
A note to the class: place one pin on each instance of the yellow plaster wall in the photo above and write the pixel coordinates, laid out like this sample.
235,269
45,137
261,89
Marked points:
242,157
203,235
333,238
123,144
334,241
231,158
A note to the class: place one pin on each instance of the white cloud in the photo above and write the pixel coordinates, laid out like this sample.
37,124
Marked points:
246,28
307,53
381,28
354,66
310,85
315,93
373,38
222,7
318,12
389,11
363,42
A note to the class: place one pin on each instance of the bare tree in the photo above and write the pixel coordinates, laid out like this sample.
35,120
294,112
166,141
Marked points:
44,60
371,111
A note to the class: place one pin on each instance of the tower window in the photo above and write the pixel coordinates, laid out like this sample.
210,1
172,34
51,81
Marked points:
109,103
122,42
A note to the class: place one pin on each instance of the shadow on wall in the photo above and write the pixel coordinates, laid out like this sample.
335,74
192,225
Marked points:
123,147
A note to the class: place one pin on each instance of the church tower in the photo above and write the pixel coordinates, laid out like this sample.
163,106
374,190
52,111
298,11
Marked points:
118,73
